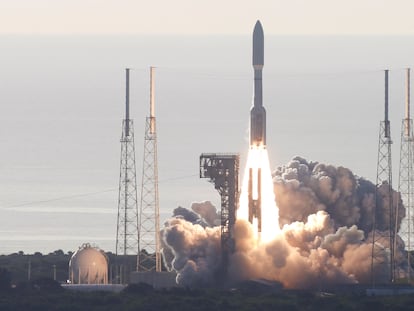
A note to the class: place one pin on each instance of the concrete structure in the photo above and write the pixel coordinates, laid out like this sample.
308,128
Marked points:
88,265
115,288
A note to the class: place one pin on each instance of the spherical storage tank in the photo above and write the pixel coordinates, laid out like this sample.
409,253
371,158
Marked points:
88,265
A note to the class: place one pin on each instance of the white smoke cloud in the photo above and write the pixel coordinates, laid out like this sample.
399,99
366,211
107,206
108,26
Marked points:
326,217
191,250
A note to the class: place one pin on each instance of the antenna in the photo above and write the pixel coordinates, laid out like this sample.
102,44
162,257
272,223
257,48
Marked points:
152,100
386,120
407,102
127,102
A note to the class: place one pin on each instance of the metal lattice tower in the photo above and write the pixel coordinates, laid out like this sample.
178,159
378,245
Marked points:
406,177
149,258
383,235
127,227
223,171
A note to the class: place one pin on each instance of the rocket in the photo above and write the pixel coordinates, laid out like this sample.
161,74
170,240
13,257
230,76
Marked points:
257,127
258,113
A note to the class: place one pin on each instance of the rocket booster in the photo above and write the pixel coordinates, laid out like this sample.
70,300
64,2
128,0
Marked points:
258,113
255,204
257,128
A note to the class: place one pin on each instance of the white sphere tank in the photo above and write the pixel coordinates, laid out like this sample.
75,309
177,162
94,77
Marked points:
88,265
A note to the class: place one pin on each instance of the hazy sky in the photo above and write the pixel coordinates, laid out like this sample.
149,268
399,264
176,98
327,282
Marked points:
206,16
324,99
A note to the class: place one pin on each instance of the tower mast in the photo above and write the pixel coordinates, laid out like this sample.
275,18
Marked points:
383,238
127,224
149,258
406,178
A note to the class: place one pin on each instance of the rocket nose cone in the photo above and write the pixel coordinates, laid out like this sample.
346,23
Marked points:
258,44
258,26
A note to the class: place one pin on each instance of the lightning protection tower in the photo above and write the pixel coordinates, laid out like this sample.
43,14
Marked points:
127,228
149,257
383,233
406,177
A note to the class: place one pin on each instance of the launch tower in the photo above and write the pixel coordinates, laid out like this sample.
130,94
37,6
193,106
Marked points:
223,171
127,225
149,258
383,239
406,177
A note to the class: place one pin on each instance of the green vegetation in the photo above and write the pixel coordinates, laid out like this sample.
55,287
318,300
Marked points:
43,293
40,266
24,267
47,294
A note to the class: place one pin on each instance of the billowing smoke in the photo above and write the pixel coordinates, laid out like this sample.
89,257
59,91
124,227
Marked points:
326,216
191,244
302,188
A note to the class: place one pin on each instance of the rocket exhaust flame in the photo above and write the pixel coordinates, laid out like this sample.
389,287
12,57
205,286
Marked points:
257,200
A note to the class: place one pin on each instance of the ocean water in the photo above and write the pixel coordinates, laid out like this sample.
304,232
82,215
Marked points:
62,103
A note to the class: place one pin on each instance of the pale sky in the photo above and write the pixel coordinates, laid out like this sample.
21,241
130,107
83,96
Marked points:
206,16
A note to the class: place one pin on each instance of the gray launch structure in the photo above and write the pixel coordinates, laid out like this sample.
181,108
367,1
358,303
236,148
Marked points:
127,223
149,258
406,183
223,172
383,271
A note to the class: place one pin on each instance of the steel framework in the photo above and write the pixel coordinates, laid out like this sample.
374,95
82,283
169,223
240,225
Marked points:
223,171
127,224
149,258
383,237
406,178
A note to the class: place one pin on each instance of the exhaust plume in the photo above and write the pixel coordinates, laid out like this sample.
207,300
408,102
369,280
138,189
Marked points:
325,216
